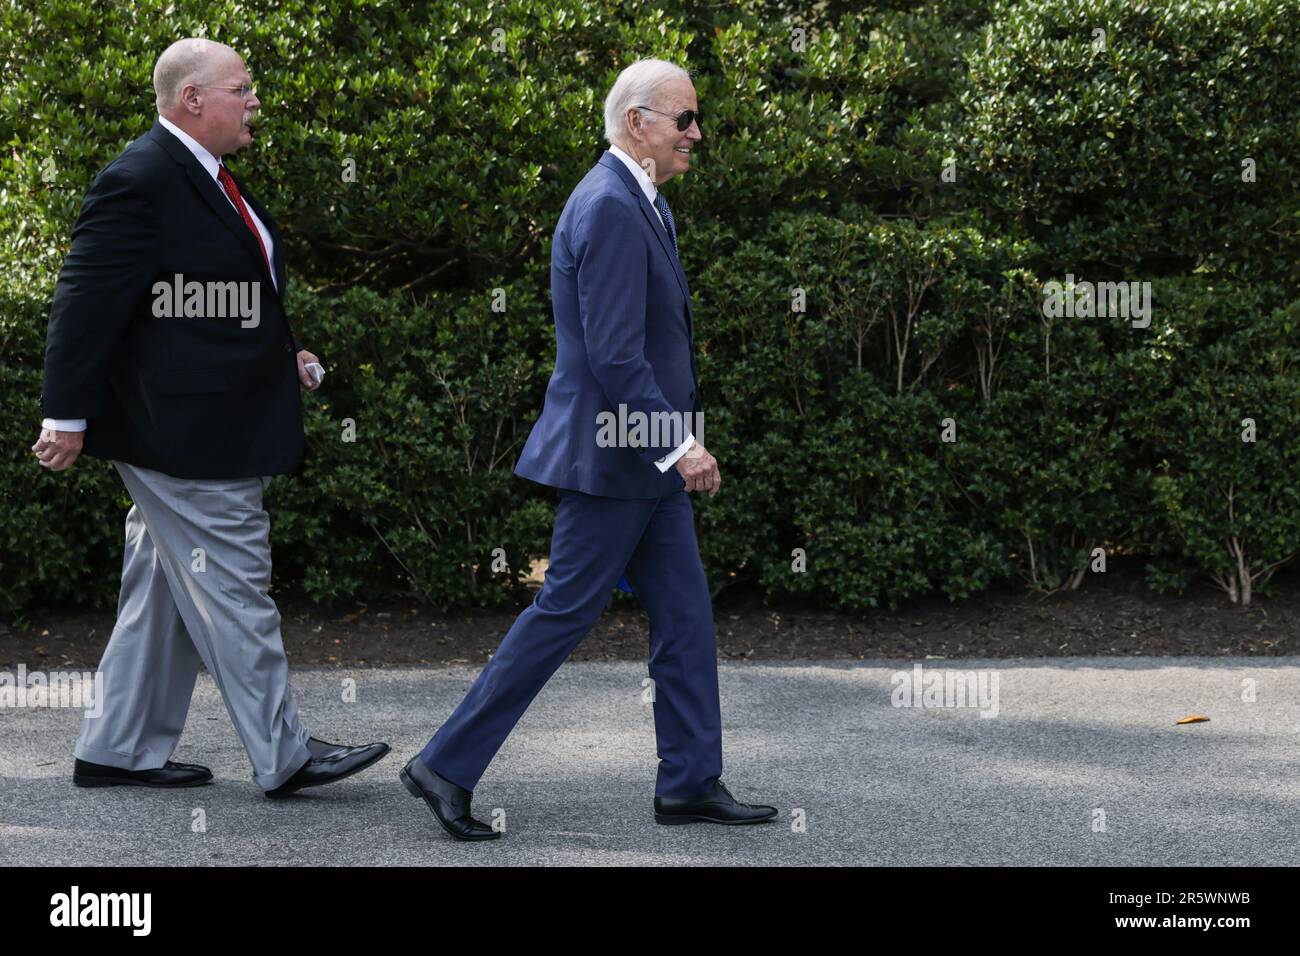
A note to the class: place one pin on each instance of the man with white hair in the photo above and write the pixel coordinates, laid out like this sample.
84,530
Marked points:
624,352
169,353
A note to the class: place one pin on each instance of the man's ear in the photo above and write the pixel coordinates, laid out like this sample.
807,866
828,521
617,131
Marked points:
190,98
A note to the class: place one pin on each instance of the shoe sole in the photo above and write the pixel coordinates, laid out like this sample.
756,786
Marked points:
677,819
414,790
84,781
343,776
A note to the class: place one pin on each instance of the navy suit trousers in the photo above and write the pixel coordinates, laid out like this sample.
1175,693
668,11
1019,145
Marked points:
595,539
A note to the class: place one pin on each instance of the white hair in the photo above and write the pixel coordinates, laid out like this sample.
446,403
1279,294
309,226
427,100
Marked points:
636,86
186,61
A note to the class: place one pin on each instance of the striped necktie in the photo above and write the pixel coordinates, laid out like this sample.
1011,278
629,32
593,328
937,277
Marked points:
662,205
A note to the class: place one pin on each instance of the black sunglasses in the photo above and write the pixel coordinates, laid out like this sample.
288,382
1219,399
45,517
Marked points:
684,119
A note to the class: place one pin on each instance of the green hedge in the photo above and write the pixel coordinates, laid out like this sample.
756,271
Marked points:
822,170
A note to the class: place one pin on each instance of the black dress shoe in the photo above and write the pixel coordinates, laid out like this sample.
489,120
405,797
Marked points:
715,805
336,765
449,803
322,748
87,774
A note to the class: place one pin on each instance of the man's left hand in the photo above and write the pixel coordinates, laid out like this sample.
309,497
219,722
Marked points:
304,376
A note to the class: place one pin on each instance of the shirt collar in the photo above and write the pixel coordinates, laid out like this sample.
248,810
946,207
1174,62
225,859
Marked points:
647,184
206,159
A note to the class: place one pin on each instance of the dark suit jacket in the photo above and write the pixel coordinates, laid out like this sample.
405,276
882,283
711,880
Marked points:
624,336
193,397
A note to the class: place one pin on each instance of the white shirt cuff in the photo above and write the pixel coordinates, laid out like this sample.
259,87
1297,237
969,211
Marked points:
666,462
64,424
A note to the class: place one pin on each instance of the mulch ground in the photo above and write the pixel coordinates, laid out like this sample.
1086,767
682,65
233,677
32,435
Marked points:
1111,615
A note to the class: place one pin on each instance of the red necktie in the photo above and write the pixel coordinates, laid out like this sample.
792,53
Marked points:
228,184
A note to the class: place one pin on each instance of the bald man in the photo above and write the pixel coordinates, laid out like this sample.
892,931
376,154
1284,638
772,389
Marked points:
169,354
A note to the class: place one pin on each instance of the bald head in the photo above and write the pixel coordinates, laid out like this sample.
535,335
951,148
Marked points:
193,60
196,84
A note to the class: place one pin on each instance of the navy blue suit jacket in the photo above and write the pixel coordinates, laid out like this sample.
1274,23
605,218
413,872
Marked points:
623,336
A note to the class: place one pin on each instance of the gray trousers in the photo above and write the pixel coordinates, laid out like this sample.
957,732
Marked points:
194,588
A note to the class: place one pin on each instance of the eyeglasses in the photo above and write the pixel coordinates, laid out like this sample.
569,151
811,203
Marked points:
244,91
684,119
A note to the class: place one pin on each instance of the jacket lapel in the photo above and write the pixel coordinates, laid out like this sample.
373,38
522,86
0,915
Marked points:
216,198
277,251
612,162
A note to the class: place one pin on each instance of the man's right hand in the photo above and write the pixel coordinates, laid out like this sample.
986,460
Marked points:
57,450
700,470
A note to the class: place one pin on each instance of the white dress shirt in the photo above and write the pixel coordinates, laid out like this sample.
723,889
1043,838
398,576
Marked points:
210,163
648,187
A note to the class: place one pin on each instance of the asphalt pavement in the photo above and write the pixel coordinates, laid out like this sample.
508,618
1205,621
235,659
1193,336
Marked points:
1059,762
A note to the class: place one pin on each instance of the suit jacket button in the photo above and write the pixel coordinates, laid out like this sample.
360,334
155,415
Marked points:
692,396
288,346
